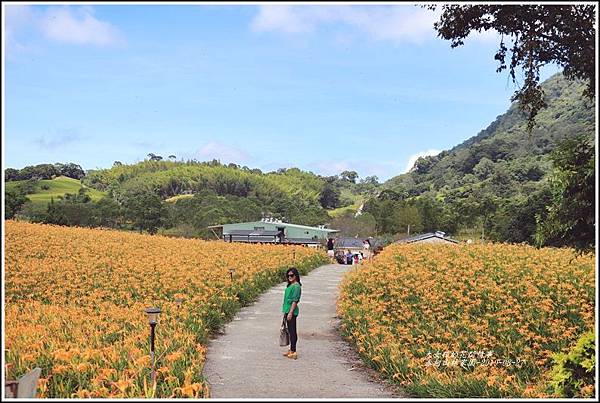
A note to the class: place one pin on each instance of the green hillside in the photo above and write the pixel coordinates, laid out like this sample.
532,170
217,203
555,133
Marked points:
496,182
46,189
505,146
169,179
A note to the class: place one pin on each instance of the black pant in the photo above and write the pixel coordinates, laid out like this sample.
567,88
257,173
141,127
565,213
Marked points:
291,324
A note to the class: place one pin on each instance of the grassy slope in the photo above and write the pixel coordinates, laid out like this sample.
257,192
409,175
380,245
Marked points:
57,187
358,200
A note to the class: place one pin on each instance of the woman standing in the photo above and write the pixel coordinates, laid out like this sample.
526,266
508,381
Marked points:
290,309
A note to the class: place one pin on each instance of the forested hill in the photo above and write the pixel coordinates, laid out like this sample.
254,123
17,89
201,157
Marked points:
504,152
495,183
213,193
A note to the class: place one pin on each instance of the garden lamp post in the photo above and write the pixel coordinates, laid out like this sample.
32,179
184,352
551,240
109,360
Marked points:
231,272
153,314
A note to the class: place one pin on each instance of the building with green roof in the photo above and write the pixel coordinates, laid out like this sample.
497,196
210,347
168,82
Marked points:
272,231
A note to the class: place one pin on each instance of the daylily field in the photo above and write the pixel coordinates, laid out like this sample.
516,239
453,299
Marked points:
468,320
75,300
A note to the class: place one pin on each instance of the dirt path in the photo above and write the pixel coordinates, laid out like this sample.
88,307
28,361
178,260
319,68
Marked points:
246,360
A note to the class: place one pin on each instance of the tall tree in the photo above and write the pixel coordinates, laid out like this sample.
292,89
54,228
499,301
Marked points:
538,35
571,218
146,210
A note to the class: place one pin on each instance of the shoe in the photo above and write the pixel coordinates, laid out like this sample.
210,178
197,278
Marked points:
286,354
293,355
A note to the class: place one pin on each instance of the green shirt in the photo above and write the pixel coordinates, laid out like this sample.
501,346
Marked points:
292,293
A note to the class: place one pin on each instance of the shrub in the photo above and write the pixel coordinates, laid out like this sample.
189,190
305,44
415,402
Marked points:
573,373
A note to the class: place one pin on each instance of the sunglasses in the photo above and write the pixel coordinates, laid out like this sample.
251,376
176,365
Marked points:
290,275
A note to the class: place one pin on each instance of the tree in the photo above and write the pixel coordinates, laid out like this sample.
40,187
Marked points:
14,199
484,169
145,210
349,176
570,219
405,216
540,35
107,212
70,170
11,174
154,157
330,196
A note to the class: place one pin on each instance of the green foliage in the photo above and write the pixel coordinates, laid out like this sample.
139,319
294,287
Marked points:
349,176
41,191
330,196
145,209
14,199
44,171
573,373
570,220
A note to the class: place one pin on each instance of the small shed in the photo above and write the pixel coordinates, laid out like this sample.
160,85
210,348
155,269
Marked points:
430,237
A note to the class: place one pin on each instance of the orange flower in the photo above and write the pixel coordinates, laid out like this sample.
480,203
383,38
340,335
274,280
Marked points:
90,301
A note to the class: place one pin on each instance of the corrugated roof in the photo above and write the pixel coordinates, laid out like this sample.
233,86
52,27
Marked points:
280,224
428,235
251,232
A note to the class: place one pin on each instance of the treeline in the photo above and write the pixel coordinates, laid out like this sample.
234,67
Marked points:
44,171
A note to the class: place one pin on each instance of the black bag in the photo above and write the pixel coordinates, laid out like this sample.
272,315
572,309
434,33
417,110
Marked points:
284,334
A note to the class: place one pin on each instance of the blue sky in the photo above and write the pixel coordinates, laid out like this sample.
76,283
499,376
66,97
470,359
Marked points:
321,87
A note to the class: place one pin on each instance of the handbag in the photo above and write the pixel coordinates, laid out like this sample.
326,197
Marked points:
284,334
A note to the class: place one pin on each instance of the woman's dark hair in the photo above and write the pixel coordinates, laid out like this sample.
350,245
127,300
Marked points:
295,271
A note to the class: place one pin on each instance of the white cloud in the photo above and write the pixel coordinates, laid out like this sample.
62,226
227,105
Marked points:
61,138
413,158
394,23
222,152
17,17
397,23
75,25
78,26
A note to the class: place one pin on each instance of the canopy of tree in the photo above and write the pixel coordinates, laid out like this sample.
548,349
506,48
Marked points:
44,171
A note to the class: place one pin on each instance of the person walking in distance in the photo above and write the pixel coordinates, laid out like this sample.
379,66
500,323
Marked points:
330,252
290,310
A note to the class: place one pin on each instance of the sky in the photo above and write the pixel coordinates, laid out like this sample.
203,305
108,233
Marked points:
321,87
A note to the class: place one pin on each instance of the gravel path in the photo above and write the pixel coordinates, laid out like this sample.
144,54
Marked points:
245,361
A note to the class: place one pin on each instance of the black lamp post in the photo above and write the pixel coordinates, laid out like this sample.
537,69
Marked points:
153,314
231,272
